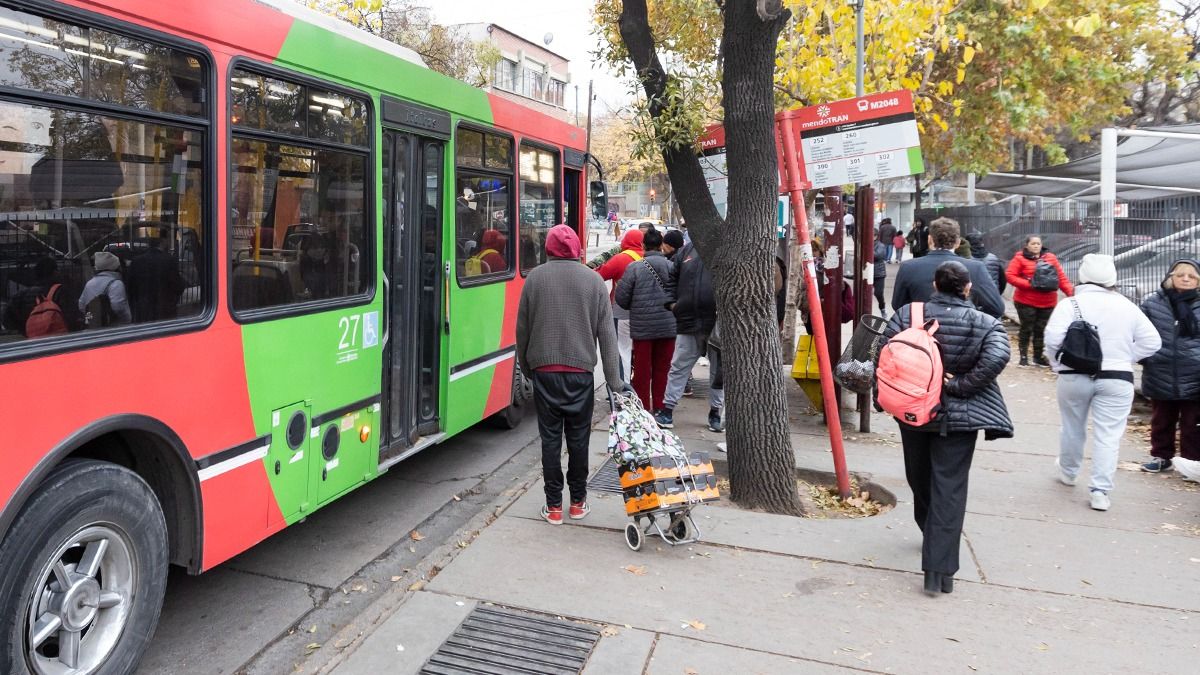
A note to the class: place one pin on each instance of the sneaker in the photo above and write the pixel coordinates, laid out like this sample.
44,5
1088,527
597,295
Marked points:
1041,360
665,418
1100,500
552,514
578,510
714,421
1063,476
1024,361
687,388
1189,469
1156,465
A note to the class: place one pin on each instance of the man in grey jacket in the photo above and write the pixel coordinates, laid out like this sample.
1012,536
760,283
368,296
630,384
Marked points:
564,311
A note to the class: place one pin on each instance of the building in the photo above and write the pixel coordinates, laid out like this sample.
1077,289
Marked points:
527,72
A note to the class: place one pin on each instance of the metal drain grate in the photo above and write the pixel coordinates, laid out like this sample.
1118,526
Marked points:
606,479
501,641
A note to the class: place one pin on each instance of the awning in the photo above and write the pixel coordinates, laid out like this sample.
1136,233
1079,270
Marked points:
1147,168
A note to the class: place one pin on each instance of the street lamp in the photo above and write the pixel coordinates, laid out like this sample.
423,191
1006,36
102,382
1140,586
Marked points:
858,46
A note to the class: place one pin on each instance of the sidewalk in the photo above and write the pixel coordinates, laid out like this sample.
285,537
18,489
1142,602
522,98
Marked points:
1046,585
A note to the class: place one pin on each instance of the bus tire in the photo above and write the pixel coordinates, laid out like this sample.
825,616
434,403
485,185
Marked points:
522,396
85,571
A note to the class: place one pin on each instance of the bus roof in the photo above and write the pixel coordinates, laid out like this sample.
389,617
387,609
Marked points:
344,29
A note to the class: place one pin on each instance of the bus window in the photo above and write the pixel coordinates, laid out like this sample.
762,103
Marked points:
539,203
109,211
298,210
483,206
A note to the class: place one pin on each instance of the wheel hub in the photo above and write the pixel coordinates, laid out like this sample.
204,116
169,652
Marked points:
77,607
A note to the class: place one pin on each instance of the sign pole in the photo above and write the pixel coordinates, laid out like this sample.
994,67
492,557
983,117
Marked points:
864,219
794,187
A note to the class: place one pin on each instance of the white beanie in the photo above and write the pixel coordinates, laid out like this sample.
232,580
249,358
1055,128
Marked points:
1098,269
106,262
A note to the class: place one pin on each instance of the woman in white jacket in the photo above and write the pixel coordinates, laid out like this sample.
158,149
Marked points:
1126,337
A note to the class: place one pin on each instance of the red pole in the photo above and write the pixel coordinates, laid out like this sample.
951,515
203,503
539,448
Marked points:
794,187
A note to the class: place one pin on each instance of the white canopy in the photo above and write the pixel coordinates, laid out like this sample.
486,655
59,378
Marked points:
1147,168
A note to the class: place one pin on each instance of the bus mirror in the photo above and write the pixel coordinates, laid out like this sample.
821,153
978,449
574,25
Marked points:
598,194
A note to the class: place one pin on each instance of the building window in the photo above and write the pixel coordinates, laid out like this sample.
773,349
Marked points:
483,206
531,83
539,203
505,74
556,92
103,218
298,208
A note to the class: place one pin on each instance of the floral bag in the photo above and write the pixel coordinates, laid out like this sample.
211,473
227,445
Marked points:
633,435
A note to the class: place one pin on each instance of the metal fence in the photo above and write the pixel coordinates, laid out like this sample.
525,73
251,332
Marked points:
1152,235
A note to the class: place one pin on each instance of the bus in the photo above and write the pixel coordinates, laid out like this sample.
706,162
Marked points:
250,258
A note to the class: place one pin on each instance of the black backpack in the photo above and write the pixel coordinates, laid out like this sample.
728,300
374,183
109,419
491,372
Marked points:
1080,349
1045,277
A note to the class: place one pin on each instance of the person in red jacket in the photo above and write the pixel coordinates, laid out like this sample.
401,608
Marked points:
1034,306
612,270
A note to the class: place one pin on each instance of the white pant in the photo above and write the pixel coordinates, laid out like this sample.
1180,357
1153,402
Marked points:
1109,402
625,349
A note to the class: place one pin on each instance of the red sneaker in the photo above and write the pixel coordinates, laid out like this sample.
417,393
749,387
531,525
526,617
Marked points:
579,510
553,514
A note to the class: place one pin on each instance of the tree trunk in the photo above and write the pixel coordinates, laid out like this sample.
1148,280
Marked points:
739,251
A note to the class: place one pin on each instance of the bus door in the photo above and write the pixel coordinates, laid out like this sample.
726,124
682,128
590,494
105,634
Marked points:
412,233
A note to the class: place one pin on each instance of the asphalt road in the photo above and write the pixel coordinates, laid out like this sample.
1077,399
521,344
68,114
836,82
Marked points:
262,611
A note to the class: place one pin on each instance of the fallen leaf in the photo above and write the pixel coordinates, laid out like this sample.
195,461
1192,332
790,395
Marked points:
312,628
395,579
636,570
416,585
415,535
1169,527
610,631
457,498
1043,647
312,646
690,671
1086,582
696,624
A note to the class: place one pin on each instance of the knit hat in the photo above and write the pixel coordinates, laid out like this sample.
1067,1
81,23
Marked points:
562,242
1098,269
106,262
673,238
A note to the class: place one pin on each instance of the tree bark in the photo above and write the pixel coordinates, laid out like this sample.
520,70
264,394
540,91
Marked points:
739,251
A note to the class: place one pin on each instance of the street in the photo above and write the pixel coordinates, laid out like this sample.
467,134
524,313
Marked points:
257,612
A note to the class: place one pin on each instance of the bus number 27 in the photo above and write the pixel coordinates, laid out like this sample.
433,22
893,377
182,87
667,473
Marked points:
349,328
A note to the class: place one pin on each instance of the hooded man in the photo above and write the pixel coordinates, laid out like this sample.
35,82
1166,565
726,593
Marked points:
613,270
563,313
995,266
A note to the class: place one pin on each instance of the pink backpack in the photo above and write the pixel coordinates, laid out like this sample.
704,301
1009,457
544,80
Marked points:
909,374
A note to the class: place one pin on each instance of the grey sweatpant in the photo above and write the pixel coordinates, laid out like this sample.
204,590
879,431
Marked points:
687,352
1109,402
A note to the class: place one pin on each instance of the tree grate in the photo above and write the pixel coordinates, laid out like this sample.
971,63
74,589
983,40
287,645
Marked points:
502,641
606,479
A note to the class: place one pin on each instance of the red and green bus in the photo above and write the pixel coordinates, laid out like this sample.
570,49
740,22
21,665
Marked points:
250,258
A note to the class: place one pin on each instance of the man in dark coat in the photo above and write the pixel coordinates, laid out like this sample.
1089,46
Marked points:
887,232
154,283
914,281
695,310
993,262
918,238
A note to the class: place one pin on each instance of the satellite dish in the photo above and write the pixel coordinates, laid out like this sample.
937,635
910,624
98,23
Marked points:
548,38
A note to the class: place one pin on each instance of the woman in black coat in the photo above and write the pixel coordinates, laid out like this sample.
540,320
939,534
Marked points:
1171,378
937,457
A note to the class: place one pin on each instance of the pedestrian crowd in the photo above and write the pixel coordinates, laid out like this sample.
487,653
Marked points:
1092,340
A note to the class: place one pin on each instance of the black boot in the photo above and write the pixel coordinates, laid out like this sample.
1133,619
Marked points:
933,583
1041,360
947,583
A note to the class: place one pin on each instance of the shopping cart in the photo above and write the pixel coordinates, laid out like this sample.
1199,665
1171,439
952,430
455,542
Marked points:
660,481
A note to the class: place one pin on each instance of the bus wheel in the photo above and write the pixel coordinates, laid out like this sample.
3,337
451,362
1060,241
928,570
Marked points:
85,569
522,396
